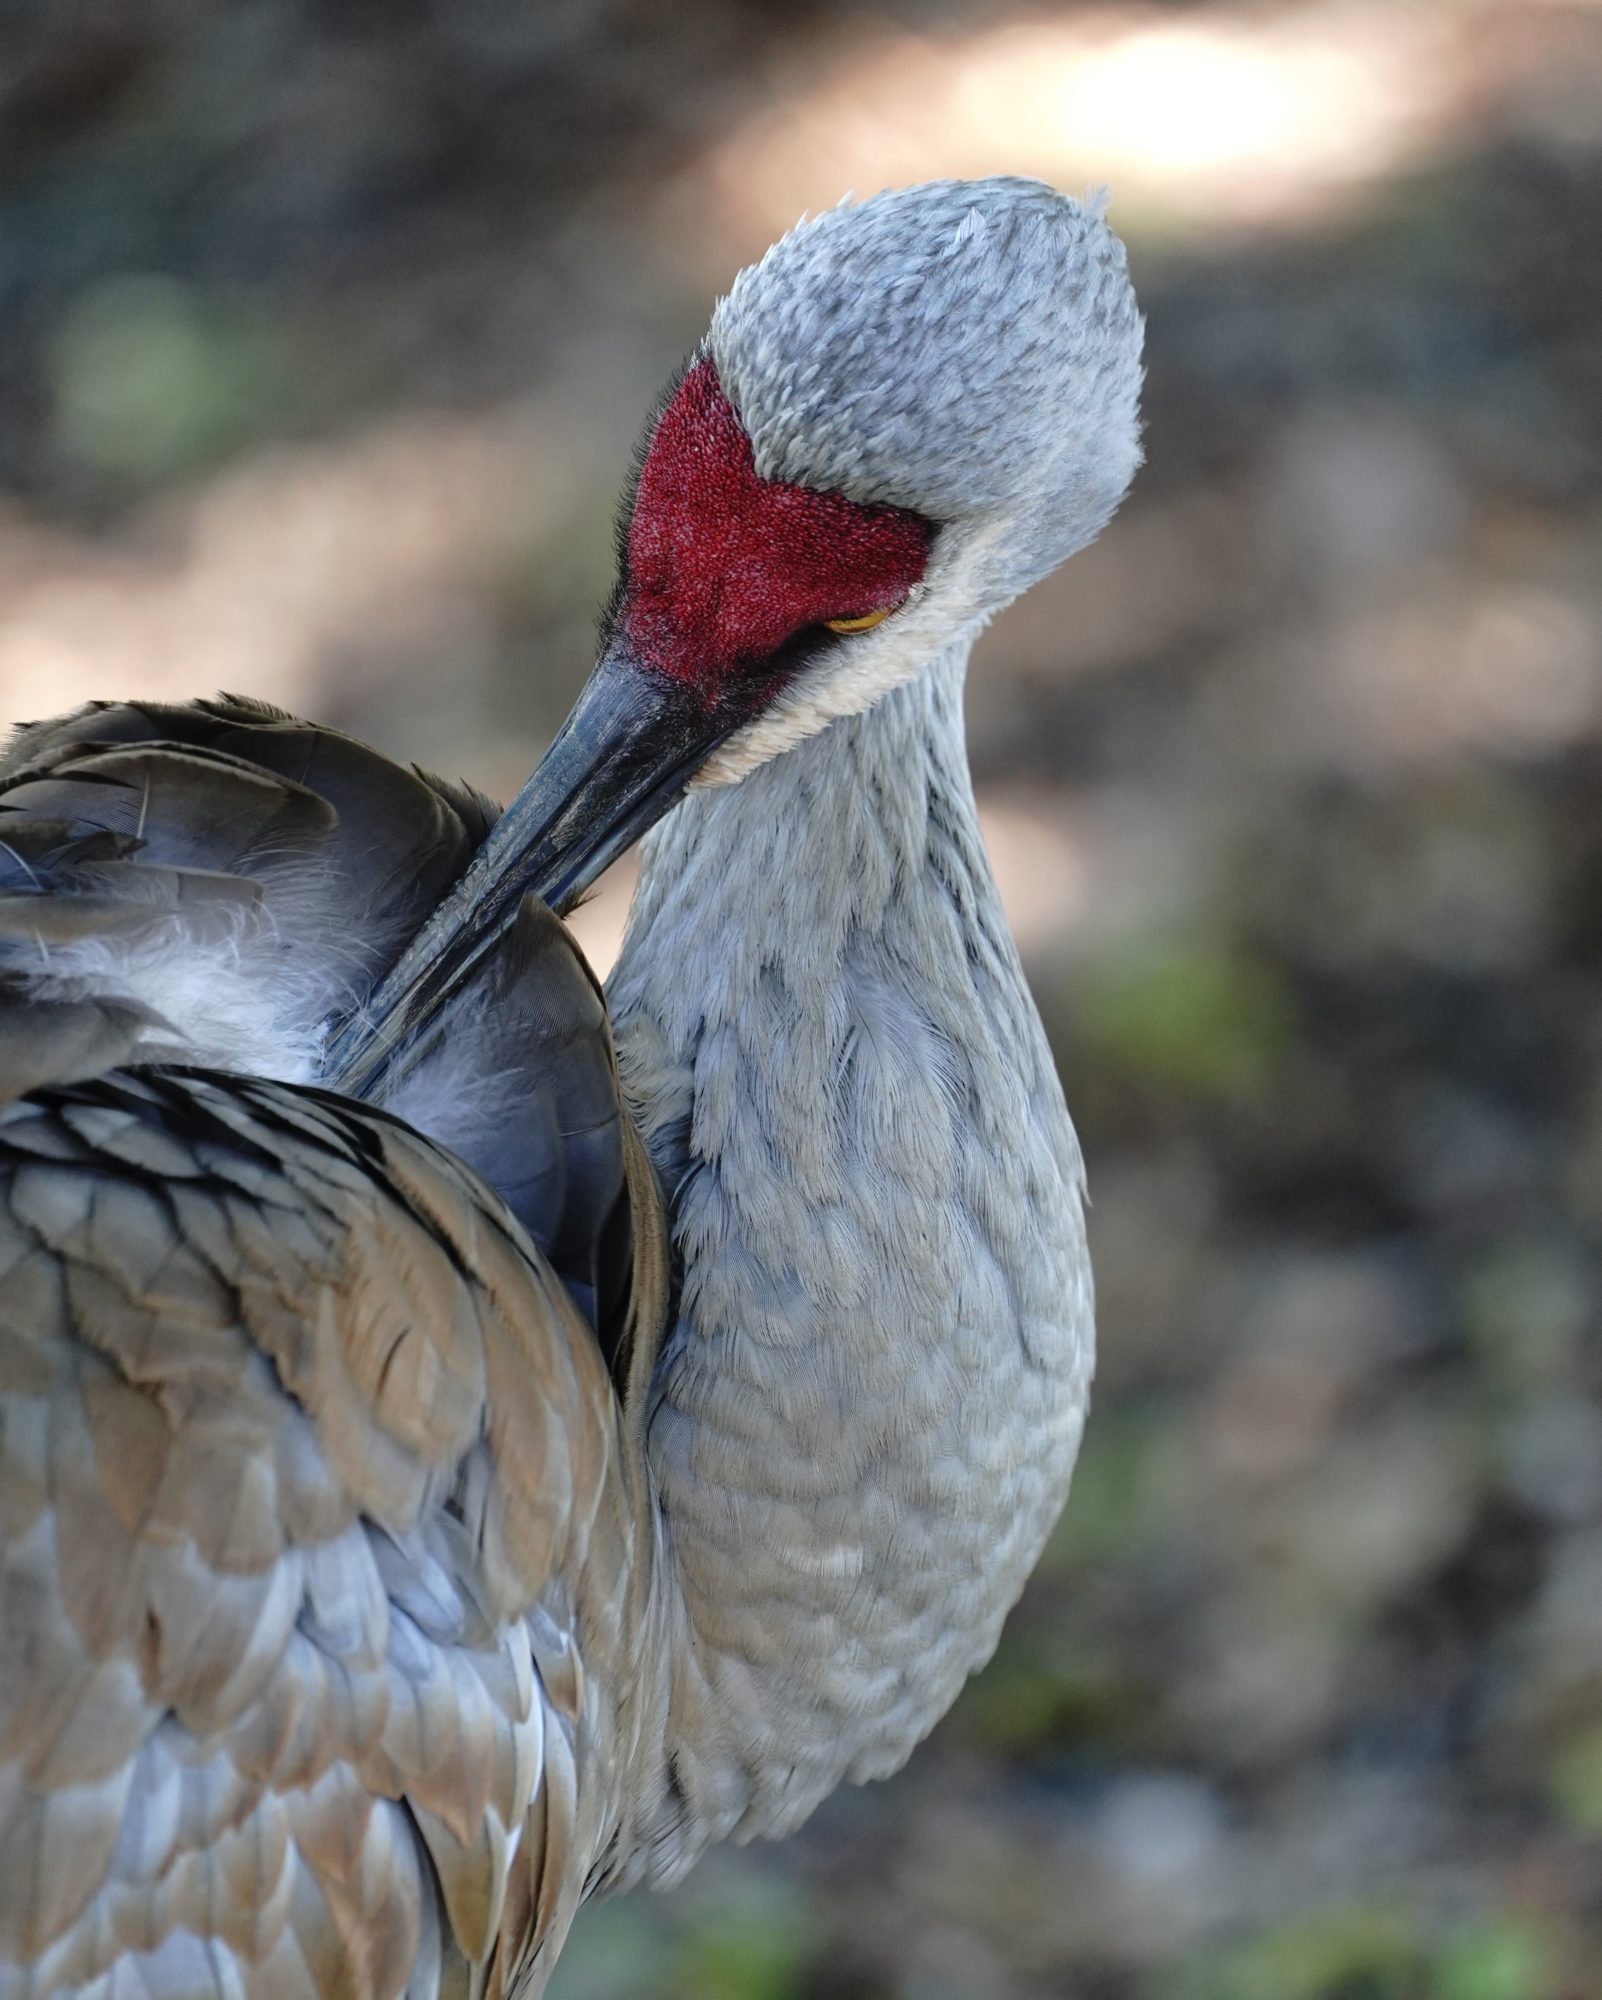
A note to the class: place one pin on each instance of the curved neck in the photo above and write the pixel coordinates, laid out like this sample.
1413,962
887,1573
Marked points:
861,1424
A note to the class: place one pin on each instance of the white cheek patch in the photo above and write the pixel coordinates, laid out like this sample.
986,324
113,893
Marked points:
948,604
872,667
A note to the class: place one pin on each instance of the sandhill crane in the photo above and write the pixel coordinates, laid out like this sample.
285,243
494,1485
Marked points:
458,1455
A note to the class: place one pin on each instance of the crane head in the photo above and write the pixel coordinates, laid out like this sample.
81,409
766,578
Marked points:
908,411
903,415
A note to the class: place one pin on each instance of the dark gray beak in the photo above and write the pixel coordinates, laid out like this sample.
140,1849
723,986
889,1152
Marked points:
623,759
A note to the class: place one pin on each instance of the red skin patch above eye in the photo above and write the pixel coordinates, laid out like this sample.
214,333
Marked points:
723,566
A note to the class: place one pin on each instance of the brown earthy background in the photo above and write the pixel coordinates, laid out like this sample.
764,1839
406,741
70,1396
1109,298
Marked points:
327,330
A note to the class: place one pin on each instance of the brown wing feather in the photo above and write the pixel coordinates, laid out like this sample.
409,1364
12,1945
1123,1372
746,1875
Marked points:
310,1486
297,1435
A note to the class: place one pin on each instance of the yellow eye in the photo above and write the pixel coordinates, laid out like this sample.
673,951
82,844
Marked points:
865,623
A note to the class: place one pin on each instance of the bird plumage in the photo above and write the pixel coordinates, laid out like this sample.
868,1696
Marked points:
611,1426
298,1435
869,1399
283,831
306,1445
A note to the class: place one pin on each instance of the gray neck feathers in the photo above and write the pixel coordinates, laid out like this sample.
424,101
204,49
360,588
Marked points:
863,1421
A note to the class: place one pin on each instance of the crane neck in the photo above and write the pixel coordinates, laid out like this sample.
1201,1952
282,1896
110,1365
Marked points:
862,1418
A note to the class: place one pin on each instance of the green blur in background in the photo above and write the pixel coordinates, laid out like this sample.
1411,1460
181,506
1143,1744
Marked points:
328,328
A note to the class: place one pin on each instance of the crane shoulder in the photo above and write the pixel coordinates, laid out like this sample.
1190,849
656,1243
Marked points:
304,1452
215,882
235,873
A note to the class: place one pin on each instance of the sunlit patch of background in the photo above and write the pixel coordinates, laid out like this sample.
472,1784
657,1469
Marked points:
327,330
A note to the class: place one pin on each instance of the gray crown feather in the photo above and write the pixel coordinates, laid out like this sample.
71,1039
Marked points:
969,349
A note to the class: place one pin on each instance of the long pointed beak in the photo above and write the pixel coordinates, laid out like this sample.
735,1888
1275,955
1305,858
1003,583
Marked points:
622,759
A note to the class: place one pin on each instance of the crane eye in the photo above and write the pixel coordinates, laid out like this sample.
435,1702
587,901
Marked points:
865,623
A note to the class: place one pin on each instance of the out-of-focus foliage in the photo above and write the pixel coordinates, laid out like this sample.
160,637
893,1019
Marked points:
327,331
147,384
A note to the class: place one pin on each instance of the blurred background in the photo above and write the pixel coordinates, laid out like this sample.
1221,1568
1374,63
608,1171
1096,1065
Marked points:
327,330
